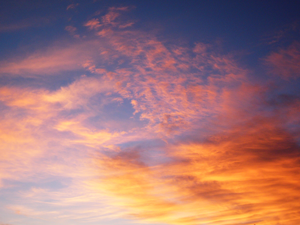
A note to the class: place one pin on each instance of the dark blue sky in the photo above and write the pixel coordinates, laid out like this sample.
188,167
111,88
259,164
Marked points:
242,24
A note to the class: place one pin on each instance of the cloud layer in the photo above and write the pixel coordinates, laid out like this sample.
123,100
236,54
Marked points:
150,131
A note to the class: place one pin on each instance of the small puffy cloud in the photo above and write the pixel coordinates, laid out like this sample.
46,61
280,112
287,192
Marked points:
93,24
110,17
70,29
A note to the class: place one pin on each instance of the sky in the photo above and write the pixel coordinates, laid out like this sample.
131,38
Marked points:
165,112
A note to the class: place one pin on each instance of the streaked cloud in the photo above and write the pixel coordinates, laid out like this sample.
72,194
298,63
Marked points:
48,61
70,29
25,24
72,6
282,34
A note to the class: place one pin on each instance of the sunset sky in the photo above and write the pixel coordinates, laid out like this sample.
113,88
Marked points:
166,112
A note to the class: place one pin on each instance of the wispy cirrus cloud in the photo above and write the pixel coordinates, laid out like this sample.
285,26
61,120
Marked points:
72,6
281,34
53,60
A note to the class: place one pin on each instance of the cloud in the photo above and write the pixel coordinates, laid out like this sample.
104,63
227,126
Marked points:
126,25
157,85
70,29
125,8
157,132
109,19
72,6
46,138
49,61
25,24
285,63
247,168
61,57
282,34
93,24
147,73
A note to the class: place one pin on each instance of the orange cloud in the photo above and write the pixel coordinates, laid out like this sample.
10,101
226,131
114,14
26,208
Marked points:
243,174
43,141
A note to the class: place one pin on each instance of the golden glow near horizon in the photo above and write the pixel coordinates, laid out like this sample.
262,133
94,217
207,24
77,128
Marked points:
148,133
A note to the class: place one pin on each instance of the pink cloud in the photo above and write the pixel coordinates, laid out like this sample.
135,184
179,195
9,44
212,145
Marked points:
126,25
72,6
110,17
125,8
27,23
279,35
93,24
70,29
286,62
52,60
